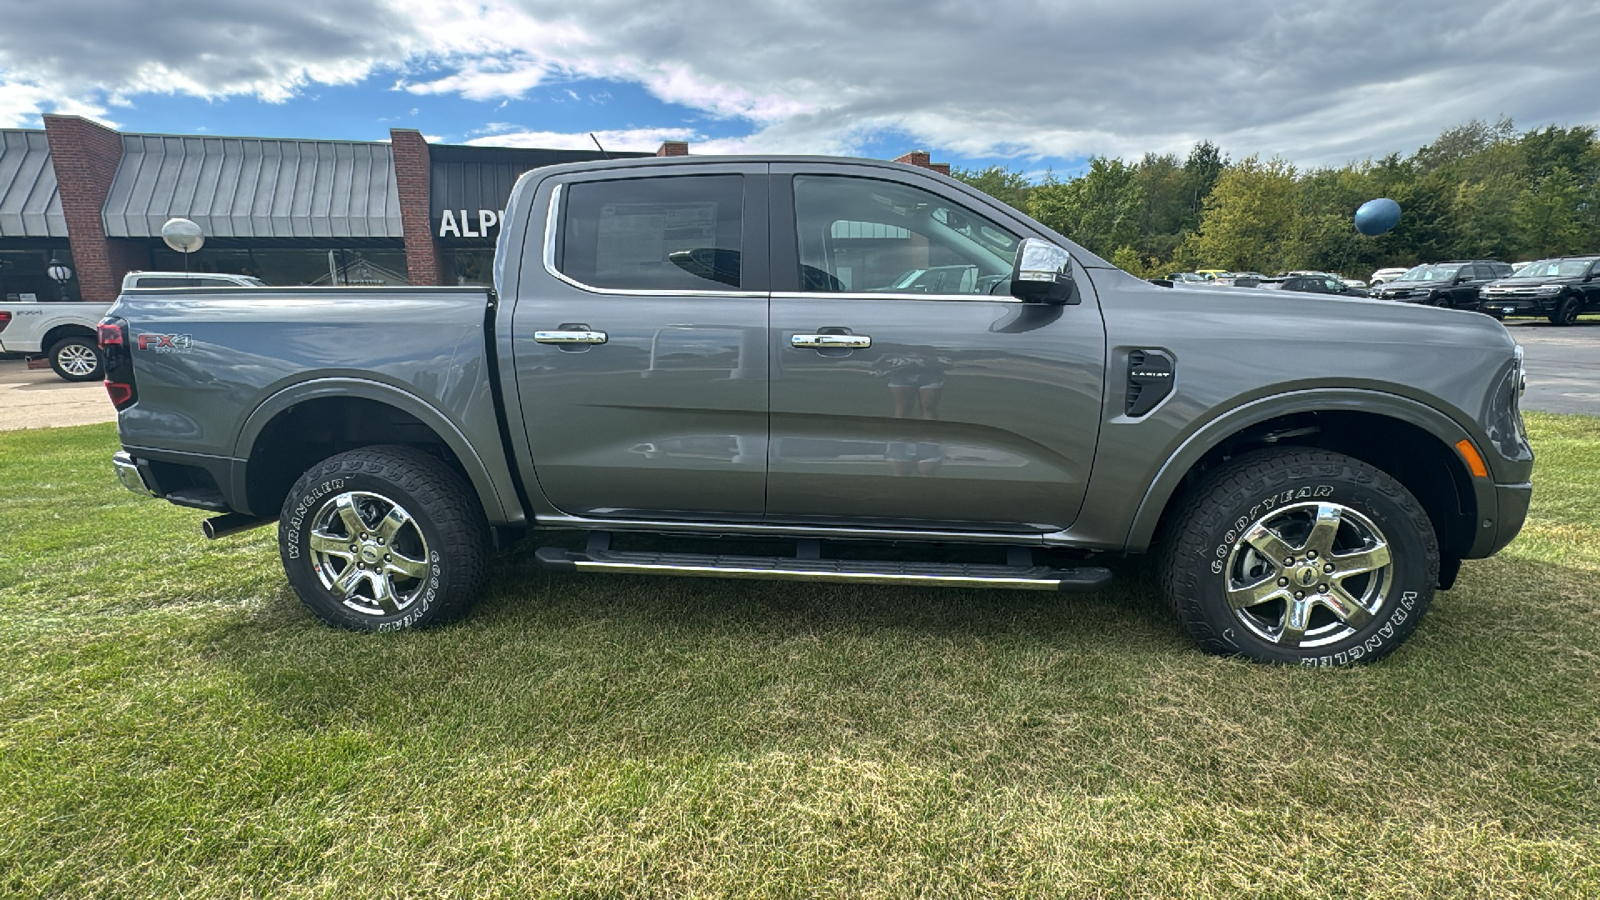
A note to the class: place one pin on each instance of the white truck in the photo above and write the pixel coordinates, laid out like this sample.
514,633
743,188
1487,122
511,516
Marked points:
64,331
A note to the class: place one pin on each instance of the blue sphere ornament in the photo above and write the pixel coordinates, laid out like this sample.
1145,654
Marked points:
1377,216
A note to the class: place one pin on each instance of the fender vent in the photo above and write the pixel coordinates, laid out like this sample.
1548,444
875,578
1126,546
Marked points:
1150,374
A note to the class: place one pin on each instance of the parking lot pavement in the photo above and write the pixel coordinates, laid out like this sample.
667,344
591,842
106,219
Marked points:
1563,364
38,398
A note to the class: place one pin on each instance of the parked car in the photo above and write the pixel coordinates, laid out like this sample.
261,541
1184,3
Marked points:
1452,284
1313,284
683,347
1561,289
1186,278
1384,276
63,330
187,279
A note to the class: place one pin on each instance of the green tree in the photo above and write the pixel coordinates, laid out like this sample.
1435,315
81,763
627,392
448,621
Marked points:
1009,186
1129,260
1100,209
1167,215
1547,217
1201,170
1248,217
1484,218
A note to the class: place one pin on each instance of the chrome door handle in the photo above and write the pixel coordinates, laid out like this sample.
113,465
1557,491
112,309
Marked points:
832,341
570,337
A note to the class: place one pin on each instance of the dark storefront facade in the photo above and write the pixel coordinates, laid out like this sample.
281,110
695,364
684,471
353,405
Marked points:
33,230
467,191
290,212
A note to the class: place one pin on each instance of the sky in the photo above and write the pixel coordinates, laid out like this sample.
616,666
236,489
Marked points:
1036,86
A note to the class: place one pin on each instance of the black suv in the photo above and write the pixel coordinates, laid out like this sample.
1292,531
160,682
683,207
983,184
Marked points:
1561,289
1452,284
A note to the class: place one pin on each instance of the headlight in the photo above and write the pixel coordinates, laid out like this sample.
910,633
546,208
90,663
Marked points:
1522,372
1548,289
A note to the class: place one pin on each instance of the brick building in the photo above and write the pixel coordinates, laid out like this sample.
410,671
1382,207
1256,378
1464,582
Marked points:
286,211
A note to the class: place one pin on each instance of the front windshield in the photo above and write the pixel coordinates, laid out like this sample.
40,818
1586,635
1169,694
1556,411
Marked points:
1554,268
1430,273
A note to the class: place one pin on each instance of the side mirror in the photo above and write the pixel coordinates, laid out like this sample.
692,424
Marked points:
1043,274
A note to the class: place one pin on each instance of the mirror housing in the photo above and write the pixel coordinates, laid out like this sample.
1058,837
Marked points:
1043,274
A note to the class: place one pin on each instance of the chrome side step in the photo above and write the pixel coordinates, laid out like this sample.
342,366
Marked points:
697,565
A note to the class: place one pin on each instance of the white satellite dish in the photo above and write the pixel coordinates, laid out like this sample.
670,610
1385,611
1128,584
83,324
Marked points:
183,235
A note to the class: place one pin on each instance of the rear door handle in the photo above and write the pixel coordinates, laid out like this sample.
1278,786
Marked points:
832,341
576,336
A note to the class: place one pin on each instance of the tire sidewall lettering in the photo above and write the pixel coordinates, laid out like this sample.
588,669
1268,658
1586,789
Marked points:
1274,500
292,535
1373,642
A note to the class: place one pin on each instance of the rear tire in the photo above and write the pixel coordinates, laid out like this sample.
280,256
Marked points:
77,358
1300,556
384,538
1566,312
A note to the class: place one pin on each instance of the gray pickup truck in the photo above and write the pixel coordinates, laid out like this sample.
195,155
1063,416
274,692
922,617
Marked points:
846,371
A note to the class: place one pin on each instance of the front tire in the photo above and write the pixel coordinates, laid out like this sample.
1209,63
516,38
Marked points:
1566,312
384,538
77,358
1300,556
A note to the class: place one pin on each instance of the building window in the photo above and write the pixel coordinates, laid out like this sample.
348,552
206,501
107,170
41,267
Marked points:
24,274
287,267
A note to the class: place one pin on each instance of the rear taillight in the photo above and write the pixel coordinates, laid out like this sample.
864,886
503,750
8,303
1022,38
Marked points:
5,319
111,336
118,362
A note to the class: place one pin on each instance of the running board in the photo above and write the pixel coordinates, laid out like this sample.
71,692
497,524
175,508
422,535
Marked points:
1028,578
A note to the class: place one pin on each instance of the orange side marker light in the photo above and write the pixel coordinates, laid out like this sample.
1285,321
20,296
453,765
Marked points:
1474,461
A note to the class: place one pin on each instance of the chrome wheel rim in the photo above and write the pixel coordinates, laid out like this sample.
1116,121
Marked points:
369,553
1309,575
76,359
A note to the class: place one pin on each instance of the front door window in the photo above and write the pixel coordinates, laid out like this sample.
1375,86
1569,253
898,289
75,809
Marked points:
863,236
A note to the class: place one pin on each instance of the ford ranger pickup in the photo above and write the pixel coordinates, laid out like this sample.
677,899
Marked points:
843,371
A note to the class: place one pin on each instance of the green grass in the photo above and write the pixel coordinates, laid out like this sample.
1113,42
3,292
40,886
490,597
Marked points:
173,723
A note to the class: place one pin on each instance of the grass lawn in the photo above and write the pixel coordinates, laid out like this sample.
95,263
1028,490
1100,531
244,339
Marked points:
174,723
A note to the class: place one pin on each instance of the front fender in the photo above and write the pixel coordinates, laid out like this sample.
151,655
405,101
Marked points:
490,477
1168,479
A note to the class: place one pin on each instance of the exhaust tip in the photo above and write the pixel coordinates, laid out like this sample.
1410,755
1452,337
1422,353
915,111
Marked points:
229,524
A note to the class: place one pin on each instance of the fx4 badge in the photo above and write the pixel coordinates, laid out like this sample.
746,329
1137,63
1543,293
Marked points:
166,343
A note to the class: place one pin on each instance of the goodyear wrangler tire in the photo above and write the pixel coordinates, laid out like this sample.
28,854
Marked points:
384,538
1300,556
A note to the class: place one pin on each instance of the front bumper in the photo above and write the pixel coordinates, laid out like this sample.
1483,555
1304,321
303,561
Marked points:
1511,511
1515,306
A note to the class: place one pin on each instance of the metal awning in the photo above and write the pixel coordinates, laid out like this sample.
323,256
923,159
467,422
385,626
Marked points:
30,204
254,188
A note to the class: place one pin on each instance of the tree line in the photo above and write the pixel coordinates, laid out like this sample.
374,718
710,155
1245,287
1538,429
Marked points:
1479,191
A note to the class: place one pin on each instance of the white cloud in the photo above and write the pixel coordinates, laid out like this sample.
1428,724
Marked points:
1313,82
628,140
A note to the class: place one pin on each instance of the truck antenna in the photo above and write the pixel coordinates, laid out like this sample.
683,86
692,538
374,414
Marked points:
597,144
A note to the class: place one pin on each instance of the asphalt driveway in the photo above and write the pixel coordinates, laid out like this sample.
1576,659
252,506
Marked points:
38,398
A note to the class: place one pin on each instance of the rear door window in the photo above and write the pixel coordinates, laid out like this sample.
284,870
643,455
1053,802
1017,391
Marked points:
680,233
